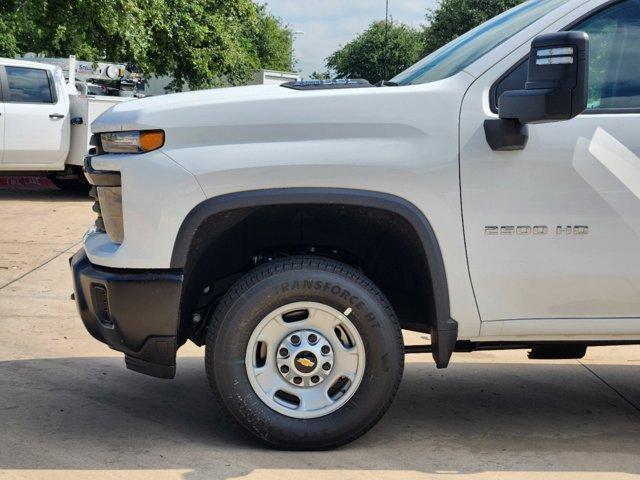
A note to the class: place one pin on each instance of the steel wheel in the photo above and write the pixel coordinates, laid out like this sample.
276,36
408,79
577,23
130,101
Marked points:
304,353
305,359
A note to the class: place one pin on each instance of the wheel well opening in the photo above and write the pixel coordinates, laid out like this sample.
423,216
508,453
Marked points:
380,243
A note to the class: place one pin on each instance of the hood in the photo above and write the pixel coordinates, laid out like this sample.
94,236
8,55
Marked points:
273,113
139,114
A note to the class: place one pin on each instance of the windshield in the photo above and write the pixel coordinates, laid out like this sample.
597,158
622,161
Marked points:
466,49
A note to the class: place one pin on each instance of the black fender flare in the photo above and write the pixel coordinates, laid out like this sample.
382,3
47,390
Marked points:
445,333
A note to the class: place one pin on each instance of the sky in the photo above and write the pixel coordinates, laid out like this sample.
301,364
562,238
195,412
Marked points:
328,24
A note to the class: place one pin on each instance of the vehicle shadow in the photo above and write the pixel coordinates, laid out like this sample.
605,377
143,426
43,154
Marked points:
52,194
92,414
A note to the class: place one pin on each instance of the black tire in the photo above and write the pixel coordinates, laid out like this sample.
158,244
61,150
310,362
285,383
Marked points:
260,292
71,184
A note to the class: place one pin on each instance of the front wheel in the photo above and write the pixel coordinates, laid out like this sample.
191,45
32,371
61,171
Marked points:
304,353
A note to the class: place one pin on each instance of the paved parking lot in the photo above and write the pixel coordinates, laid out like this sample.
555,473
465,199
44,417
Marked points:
70,410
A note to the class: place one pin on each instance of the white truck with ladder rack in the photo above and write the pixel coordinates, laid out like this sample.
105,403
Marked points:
45,119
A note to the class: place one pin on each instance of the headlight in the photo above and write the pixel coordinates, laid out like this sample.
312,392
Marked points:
132,142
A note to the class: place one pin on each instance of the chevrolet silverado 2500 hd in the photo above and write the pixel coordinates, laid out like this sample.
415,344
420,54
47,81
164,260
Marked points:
488,196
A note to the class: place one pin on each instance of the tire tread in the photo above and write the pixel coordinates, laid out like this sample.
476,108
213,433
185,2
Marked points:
299,263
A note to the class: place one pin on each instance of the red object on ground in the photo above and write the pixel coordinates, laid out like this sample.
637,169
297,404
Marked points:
26,182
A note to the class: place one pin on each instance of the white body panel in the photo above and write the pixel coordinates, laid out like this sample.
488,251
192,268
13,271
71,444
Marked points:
228,140
582,172
410,141
33,140
151,227
88,108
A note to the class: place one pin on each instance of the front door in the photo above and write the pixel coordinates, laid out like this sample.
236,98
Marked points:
36,119
553,231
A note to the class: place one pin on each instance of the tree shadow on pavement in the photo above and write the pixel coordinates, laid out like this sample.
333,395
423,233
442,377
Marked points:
90,413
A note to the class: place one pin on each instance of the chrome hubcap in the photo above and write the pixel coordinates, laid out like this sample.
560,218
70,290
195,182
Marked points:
305,360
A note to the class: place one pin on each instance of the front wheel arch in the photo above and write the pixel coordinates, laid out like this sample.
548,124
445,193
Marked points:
205,220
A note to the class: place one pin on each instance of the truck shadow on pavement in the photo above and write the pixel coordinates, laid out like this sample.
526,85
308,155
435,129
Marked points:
43,195
90,413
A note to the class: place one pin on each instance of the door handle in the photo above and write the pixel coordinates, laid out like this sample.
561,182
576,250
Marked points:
56,115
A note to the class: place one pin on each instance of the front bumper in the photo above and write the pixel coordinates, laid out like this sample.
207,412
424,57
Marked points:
135,312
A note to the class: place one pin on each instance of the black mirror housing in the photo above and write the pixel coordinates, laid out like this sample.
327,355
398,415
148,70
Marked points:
556,87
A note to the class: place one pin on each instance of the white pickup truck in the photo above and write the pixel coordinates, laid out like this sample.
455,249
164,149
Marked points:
44,123
489,196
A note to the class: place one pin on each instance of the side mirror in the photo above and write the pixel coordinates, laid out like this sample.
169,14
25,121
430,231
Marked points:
556,89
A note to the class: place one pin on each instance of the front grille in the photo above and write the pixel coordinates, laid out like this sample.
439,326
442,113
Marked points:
108,207
109,210
96,142
93,193
107,193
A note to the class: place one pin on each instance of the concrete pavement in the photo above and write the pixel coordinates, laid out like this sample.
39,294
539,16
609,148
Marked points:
70,410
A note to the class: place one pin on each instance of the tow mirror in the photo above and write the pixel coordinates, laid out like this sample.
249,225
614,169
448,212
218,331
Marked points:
556,89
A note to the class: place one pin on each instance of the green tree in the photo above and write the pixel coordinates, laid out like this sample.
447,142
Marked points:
320,75
201,43
379,53
452,18
273,42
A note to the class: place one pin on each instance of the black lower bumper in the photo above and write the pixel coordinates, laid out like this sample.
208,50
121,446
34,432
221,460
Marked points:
134,312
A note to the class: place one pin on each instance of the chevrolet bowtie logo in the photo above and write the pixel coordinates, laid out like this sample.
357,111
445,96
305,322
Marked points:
305,362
